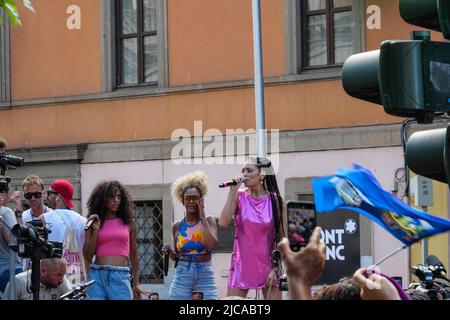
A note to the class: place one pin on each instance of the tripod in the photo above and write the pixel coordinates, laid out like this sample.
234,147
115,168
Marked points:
35,277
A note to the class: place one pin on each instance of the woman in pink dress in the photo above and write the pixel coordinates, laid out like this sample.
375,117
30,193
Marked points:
259,226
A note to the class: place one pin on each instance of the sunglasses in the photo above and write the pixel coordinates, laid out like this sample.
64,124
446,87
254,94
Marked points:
188,199
49,192
36,195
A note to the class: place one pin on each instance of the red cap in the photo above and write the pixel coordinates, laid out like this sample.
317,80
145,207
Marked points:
65,189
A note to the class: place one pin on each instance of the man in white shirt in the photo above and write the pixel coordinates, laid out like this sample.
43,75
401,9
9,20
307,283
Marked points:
34,193
67,226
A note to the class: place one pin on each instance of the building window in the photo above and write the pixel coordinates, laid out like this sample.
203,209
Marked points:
137,42
328,28
225,238
149,234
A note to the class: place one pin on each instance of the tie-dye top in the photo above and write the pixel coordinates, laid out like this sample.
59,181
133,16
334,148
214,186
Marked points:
191,240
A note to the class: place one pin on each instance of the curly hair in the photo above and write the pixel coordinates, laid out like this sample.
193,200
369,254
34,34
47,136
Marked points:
97,201
196,179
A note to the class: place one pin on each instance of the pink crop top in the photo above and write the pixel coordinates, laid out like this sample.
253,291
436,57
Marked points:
113,239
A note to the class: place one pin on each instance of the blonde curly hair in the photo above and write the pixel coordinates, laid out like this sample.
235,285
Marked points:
196,179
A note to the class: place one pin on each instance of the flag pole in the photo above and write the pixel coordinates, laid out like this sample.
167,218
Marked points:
259,81
390,255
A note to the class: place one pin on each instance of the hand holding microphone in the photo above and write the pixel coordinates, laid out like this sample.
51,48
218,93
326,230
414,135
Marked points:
232,182
90,222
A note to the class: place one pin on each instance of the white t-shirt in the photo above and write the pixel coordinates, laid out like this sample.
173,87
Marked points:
58,226
28,216
59,221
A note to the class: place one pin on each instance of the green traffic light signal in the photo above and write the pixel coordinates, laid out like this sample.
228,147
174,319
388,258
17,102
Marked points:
430,14
427,154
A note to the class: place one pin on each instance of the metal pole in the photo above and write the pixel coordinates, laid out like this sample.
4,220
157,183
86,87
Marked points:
424,243
390,254
12,275
259,81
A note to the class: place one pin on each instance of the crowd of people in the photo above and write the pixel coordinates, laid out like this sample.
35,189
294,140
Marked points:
103,246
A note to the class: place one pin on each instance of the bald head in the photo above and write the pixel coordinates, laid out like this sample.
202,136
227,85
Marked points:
59,264
53,271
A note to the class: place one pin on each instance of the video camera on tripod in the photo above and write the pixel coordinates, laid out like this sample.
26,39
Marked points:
32,241
433,280
7,162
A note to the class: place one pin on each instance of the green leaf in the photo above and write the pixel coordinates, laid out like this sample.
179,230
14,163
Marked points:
12,11
28,4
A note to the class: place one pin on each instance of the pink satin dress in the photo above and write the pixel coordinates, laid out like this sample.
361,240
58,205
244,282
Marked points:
253,242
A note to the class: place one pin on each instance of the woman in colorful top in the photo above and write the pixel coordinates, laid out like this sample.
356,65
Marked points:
195,236
258,218
112,240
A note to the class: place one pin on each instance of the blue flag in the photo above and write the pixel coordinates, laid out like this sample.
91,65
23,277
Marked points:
358,190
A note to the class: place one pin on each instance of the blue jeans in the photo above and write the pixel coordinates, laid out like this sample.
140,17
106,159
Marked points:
4,278
111,283
193,276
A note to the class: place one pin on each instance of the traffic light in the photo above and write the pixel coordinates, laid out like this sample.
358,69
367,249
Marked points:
427,154
410,78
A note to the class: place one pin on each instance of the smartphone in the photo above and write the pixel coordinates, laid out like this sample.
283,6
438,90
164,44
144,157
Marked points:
302,220
197,295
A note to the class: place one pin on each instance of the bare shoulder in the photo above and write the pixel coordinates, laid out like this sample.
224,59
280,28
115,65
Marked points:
175,226
211,219
132,225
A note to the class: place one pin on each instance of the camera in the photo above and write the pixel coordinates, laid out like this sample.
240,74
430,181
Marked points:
283,283
78,293
8,161
4,183
424,274
434,284
32,241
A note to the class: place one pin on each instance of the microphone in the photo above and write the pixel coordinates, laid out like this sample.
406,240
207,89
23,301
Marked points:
432,260
436,266
89,224
231,182
166,259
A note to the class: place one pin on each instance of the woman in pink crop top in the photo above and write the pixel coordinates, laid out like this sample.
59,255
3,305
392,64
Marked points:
112,240
194,238
259,225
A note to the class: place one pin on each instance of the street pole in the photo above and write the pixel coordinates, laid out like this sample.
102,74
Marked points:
259,81
424,242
